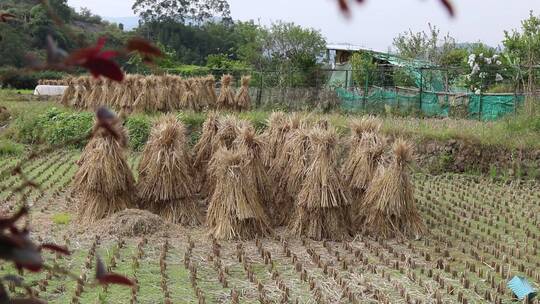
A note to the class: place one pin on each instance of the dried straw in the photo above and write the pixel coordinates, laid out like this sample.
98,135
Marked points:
243,100
165,174
389,204
226,94
254,145
322,206
104,183
359,169
210,86
236,210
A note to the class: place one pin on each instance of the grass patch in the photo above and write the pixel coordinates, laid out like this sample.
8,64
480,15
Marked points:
61,218
9,147
516,131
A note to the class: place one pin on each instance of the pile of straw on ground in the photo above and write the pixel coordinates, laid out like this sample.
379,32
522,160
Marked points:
166,186
104,182
155,93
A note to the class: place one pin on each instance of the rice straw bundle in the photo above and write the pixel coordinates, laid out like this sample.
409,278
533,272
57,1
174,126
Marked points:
275,136
210,86
166,185
227,132
359,169
203,151
235,210
87,87
143,99
203,148
129,93
322,204
361,126
104,183
201,94
254,145
188,100
106,92
93,100
226,94
291,165
69,92
243,100
389,203
77,98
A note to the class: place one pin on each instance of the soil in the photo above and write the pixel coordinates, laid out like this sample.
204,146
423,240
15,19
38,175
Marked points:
459,156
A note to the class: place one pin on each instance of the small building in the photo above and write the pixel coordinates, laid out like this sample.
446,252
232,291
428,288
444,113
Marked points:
339,56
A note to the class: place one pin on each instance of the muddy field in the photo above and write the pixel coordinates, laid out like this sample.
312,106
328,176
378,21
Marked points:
480,234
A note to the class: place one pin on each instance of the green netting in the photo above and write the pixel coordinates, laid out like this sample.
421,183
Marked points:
493,107
490,106
341,76
405,103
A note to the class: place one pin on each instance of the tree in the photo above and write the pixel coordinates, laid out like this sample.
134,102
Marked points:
183,11
425,46
293,52
249,46
362,68
523,46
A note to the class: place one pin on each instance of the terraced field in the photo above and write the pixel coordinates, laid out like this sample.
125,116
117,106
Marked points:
481,233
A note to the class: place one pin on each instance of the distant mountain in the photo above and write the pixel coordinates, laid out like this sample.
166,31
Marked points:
128,22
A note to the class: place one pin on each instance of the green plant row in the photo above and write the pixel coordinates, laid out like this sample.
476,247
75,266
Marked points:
57,126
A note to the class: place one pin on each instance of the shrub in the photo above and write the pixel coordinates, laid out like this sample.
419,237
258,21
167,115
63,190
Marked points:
9,147
190,71
138,127
67,128
13,78
55,127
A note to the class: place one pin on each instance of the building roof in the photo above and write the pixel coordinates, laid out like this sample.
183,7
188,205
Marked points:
345,47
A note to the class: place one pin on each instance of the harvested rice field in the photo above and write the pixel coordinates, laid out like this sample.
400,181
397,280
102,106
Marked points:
479,233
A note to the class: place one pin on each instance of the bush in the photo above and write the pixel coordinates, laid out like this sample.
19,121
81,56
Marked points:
12,78
54,127
190,71
138,127
68,129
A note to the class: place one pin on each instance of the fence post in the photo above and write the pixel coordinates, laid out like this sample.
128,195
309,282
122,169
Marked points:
261,85
346,79
366,88
421,89
480,107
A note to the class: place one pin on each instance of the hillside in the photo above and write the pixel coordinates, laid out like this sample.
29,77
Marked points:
28,32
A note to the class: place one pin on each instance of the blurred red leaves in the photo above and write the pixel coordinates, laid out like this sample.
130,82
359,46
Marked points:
97,61
345,9
145,48
105,278
5,17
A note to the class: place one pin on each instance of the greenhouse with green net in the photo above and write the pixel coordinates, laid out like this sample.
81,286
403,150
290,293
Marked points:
381,82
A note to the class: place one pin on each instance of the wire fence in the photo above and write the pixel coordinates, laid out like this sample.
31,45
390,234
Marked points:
397,90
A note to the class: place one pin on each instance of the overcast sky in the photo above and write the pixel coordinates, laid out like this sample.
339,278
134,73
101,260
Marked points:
374,23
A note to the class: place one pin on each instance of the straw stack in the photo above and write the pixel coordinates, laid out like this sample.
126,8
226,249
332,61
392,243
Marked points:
243,100
104,183
166,186
235,210
322,205
389,204
226,94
